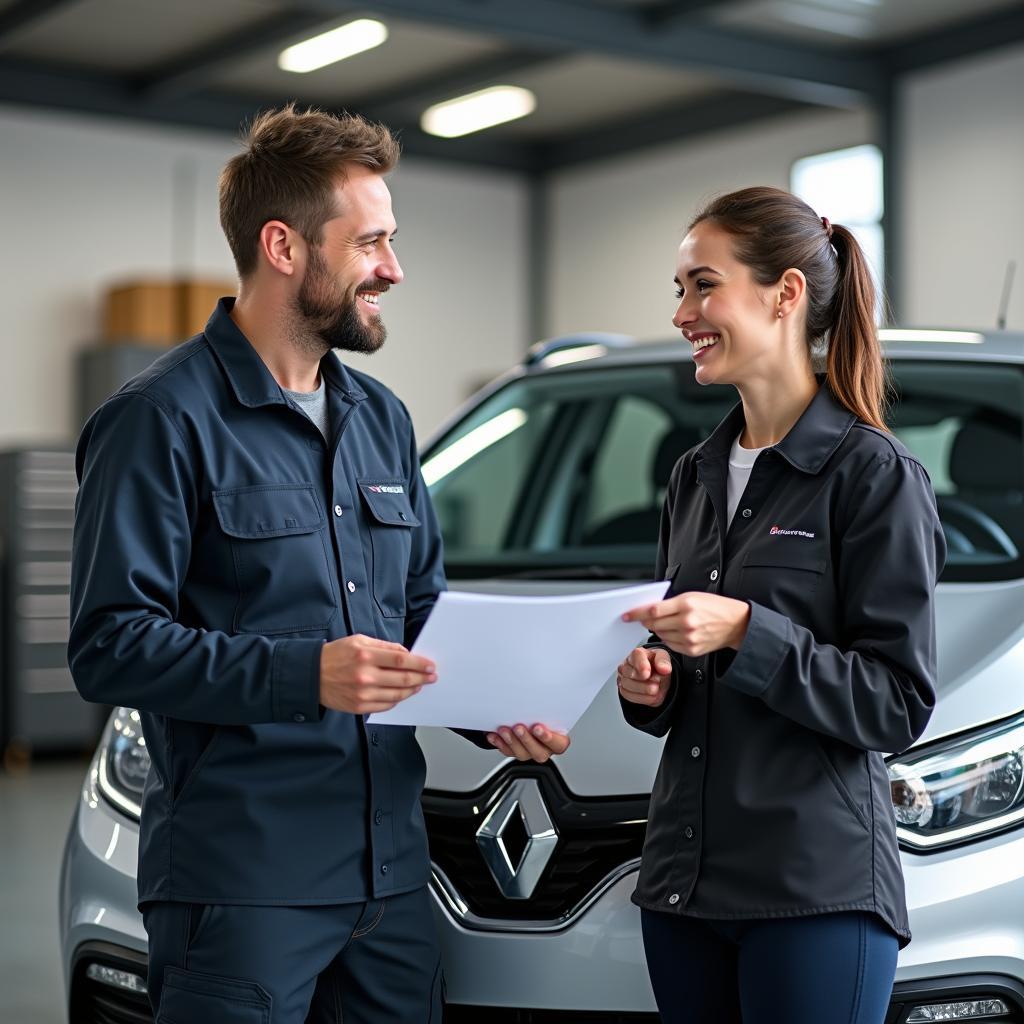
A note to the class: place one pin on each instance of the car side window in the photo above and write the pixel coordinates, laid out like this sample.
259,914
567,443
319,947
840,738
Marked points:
478,476
965,422
556,465
625,491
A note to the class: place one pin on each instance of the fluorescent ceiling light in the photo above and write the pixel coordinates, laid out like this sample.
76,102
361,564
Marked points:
956,337
476,441
836,22
478,110
328,47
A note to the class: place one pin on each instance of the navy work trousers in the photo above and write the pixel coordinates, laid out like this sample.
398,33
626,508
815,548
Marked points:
364,963
822,969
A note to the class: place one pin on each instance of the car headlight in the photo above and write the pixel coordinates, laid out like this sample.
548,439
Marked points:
965,789
124,762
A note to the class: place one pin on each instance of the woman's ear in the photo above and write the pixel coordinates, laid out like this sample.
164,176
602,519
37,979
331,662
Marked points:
789,292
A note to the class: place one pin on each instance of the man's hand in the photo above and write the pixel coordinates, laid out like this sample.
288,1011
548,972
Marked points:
644,677
695,623
529,744
361,675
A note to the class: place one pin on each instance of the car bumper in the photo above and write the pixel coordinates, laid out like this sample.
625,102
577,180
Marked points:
966,912
98,904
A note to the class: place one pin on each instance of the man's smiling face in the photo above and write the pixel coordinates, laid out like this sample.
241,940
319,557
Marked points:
355,264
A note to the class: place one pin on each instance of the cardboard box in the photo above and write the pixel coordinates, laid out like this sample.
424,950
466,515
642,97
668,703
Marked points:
143,312
196,300
160,313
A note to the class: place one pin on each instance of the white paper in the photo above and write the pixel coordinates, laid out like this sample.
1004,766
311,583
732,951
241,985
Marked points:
504,659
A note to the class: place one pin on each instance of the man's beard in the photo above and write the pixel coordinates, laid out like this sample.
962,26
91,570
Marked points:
336,321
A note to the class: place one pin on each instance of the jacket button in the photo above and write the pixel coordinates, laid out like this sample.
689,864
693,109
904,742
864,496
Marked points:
688,832
338,510
747,513
351,587
378,816
298,717
384,869
695,752
374,738
674,898
714,575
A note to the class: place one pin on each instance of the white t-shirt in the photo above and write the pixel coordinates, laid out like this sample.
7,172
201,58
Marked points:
741,462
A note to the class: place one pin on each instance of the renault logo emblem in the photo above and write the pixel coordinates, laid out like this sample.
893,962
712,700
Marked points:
519,815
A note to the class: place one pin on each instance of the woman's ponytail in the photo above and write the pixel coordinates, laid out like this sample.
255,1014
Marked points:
856,372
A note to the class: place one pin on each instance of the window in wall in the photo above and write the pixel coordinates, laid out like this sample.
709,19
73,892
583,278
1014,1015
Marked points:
846,186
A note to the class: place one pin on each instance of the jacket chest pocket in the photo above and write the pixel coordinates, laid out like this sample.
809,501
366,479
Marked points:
392,522
784,579
279,545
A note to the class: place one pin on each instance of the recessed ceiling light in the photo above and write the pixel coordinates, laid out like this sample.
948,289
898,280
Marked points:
329,47
478,110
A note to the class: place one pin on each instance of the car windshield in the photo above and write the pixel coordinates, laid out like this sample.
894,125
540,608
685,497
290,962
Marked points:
562,474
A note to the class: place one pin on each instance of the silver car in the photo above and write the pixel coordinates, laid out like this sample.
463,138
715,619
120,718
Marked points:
550,481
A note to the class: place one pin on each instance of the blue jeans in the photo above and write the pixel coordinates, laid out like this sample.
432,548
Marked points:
822,969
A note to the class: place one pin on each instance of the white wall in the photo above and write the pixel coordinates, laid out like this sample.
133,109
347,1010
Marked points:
461,316
87,201
615,227
963,186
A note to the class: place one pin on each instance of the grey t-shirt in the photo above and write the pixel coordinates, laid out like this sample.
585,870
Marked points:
313,404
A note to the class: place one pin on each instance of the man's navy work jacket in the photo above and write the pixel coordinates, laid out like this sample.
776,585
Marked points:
219,542
772,799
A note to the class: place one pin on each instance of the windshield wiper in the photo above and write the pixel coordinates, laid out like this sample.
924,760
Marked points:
575,572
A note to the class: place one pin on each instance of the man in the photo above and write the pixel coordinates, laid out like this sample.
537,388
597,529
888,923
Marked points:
254,553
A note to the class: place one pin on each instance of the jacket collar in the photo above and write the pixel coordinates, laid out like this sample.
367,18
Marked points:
251,381
822,427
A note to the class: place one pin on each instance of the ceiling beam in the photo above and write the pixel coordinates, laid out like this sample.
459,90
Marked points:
29,84
676,10
962,39
23,12
194,69
702,115
411,98
753,63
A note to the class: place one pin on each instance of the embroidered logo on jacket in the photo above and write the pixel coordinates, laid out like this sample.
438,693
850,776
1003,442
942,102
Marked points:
778,531
385,489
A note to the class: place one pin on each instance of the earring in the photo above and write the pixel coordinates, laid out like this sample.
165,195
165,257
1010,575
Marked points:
779,314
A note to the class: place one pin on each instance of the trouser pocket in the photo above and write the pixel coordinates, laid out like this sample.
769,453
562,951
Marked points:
437,996
189,997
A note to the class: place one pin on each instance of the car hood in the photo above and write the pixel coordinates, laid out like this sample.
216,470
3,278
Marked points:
980,638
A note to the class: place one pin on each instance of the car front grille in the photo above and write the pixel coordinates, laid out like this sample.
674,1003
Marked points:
596,839
96,1002
104,1005
459,1014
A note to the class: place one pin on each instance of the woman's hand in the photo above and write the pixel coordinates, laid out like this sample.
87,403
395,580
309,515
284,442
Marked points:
529,744
695,623
644,677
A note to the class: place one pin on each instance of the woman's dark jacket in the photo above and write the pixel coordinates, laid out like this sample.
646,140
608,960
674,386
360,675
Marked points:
772,798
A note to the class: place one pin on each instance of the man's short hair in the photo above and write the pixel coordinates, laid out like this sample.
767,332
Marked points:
288,171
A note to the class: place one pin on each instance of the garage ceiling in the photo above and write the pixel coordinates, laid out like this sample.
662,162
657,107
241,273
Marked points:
608,74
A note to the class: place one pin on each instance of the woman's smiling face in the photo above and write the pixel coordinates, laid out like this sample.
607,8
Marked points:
730,320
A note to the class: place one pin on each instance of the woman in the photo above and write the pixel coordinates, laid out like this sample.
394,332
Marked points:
796,643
